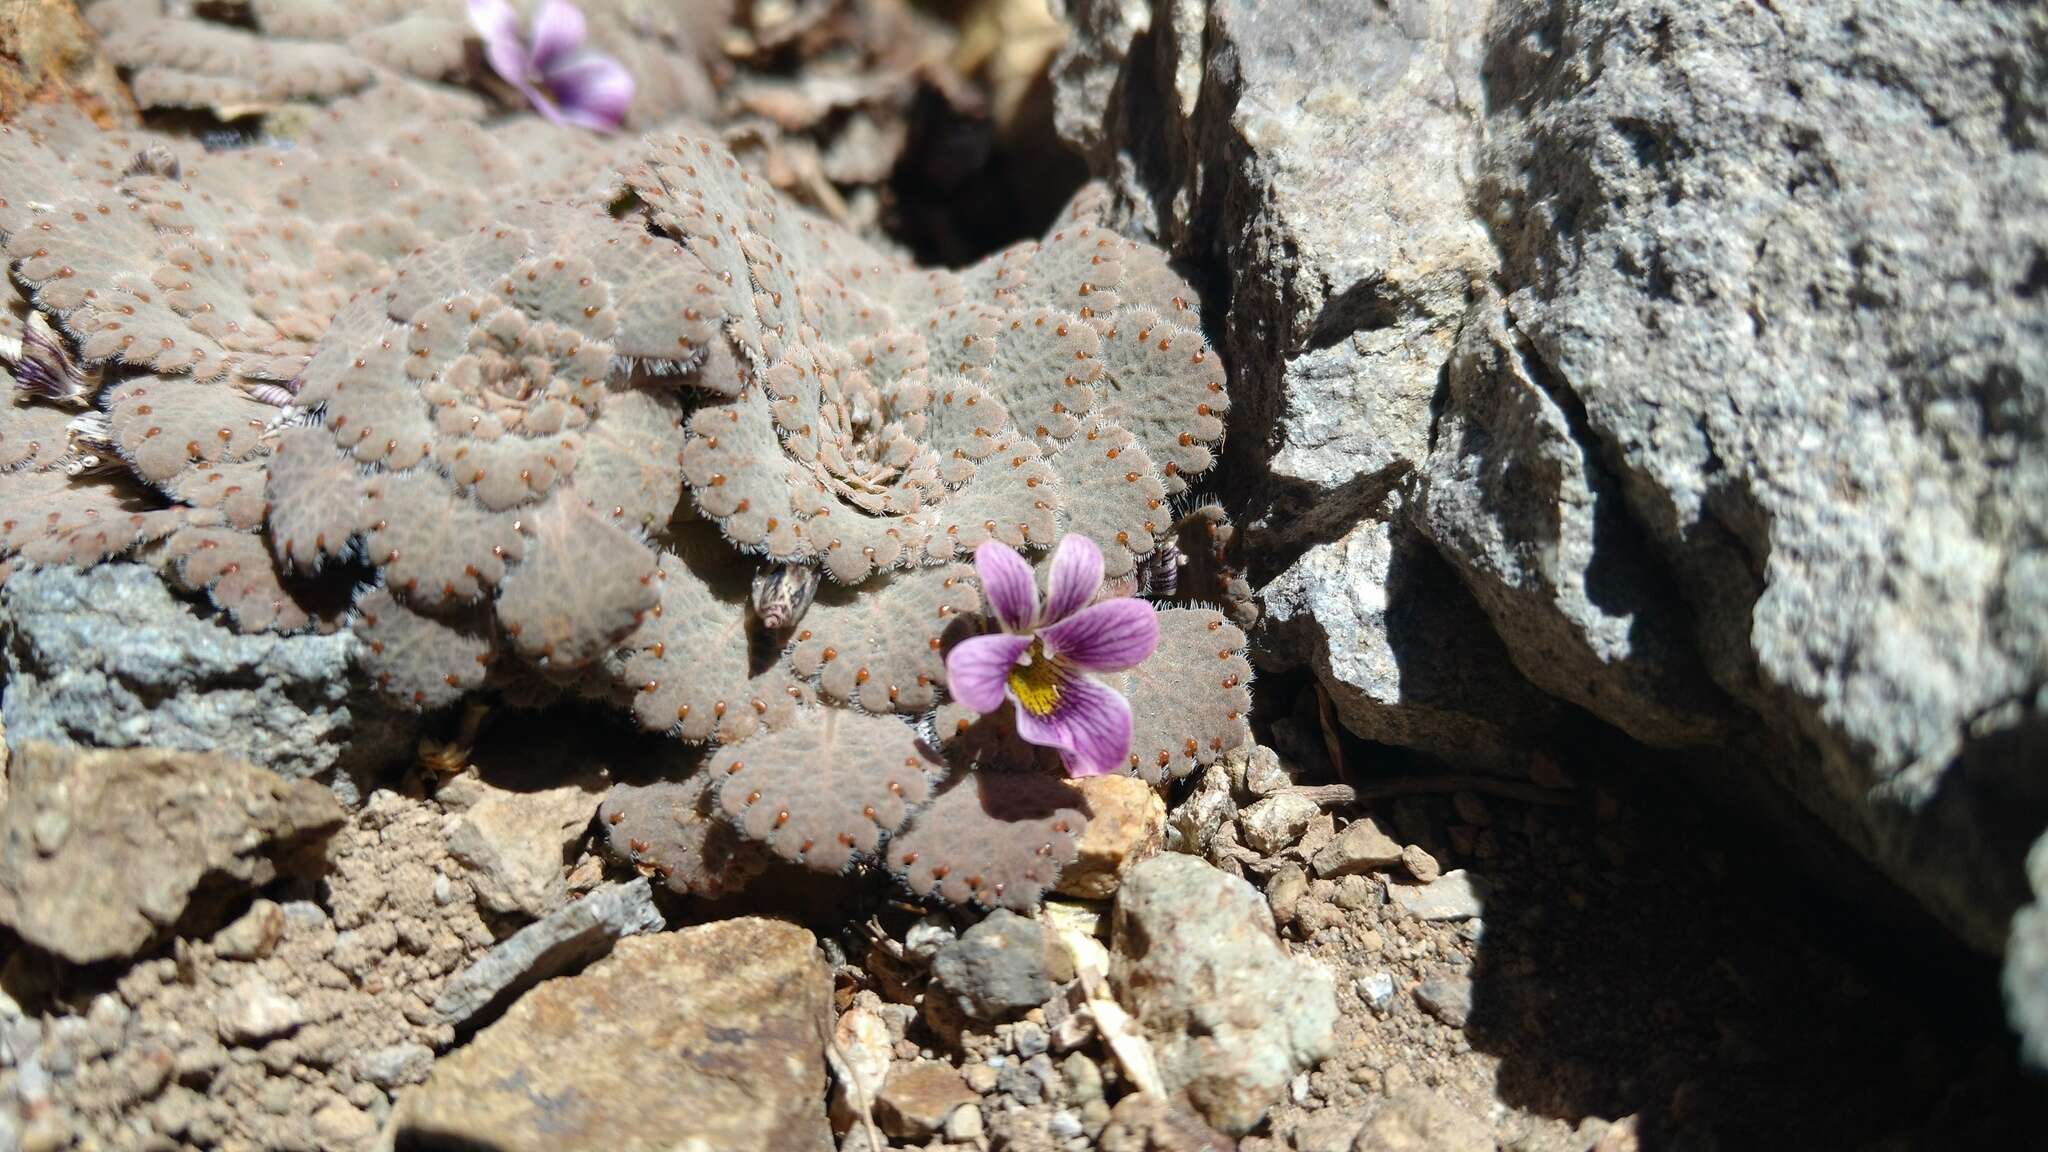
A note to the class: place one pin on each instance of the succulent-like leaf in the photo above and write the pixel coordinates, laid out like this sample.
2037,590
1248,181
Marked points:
433,546
878,647
832,783
689,666
52,518
1013,497
740,477
164,425
1044,367
31,435
998,839
630,465
424,661
1162,382
315,496
583,586
1112,494
671,830
235,490
237,572
1190,701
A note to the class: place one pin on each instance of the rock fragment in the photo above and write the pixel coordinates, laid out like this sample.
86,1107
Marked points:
997,968
709,1037
107,851
1455,895
561,942
1232,1017
1362,847
512,840
920,1099
1126,823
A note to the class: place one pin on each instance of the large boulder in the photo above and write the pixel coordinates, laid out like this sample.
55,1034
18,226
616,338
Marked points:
1737,430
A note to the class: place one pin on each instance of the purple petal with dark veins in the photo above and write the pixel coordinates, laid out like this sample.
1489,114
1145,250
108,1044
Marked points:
1007,582
978,668
498,25
593,90
1091,726
1106,637
558,31
1075,578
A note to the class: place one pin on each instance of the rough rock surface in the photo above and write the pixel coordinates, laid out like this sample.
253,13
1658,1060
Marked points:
1232,1016
108,658
2026,963
514,839
1417,1120
176,1055
710,1037
1126,824
1733,422
996,968
562,942
104,852
1406,656
48,54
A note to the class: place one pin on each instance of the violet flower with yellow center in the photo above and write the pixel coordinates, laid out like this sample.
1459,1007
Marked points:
565,81
1048,657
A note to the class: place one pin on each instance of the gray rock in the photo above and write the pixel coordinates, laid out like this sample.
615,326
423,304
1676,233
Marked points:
1798,297
1338,332
1361,847
1455,895
561,942
1377,990
1407,657
1230,1014
996,968
107,657
1750,452
1272,824
396,1065
105,852
709,1037
1446,996
1540,533
2026,963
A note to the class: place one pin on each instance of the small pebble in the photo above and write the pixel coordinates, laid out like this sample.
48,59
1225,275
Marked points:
1377,990
1420,864
1272,824
1065,1125
1029,1039
964,1126
1446,997
981,1077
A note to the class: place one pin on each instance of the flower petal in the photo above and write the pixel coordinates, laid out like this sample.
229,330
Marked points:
1075,578
593,89
978,667
1106,637
558,31
1091,727
498,25
1007,582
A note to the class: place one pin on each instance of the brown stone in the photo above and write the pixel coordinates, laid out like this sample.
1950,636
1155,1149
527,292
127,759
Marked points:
711,1037
102,852
1126,823
917,1099
49,55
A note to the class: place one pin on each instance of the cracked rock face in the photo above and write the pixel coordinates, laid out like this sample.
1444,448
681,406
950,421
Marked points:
1704,343
107,657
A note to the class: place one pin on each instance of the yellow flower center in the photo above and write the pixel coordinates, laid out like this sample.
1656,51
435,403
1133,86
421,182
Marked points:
1037,681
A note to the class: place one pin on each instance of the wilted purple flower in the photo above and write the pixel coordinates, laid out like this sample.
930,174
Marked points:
1045,657
568,83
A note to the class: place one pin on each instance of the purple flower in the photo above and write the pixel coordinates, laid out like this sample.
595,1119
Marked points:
568,83
1044,659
